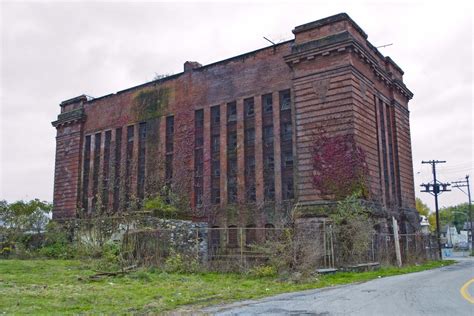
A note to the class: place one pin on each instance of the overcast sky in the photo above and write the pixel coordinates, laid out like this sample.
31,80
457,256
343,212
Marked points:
52,51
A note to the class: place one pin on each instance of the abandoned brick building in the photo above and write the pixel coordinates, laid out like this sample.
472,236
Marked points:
235,137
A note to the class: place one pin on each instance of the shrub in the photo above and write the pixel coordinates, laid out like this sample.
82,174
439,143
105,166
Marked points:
263,271
176,262
56,243
353,230
110,259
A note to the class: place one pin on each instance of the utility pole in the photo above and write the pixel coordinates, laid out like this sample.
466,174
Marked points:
435,188
465,184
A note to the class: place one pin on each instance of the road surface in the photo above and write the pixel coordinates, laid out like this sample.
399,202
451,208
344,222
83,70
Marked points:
433,292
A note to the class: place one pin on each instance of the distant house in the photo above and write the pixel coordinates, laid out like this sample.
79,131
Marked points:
466,231
450,236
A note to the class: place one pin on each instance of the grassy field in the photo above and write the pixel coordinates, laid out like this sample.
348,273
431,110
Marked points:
63,287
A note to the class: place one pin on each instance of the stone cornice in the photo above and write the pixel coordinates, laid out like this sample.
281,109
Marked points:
80,99
339,43
329,20
70,117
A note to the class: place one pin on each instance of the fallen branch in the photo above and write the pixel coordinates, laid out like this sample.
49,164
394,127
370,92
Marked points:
101,274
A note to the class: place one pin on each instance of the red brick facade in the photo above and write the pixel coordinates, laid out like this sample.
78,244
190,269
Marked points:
235,137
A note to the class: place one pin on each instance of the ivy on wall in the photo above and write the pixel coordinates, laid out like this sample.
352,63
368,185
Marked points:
340,168
150,103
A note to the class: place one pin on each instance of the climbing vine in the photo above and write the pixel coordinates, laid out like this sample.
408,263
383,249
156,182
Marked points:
150,103
340,168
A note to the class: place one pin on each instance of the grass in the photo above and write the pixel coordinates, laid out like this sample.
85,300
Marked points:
63,287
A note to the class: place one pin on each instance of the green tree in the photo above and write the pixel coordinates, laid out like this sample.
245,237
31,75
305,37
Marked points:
20,217
455,215
422,208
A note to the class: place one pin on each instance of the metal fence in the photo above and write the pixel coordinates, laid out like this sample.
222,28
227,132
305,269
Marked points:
243,246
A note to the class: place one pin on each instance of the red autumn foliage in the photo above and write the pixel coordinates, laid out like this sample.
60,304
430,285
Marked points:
340,169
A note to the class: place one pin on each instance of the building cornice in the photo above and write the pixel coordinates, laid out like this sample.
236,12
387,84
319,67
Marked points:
340,43
70,117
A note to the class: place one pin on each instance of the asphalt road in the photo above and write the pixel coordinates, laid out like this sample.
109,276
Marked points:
433,292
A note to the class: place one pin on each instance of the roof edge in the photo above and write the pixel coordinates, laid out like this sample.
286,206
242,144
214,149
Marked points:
329,20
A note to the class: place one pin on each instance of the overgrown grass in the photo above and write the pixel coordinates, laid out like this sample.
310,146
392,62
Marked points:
63,287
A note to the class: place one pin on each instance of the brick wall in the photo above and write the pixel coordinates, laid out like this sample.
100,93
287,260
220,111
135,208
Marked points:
336,80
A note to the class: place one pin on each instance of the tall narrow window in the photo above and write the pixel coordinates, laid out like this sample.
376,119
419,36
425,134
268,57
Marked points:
85,173
118,163
232,180
268,148
129,164
198,157
169,149
215,155
383,141
249,149
232,112
285,100
267,103
392,153
286,145
142,130
249,107
96,171
232,152
106,171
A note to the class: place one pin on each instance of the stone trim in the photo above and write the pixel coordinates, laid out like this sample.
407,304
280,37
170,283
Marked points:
70,117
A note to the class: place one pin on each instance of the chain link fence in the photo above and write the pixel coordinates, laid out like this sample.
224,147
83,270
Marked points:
145,240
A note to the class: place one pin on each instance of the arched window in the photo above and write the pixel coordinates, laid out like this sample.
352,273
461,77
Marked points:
232,236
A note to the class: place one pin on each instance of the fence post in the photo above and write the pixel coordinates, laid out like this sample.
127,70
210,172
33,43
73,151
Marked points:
325,244
396,241
373,248
332,246
197,243
241,246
